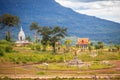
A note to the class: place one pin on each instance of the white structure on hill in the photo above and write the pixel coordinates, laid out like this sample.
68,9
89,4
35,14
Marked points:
22,39
21,35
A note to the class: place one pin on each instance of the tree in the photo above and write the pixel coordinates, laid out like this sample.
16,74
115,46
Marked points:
8,20
117,47
90,46
99,45
50,35
34,26
67,43
56,34
28,38
45,32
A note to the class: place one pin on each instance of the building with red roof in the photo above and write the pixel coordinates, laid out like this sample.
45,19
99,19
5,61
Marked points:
83,43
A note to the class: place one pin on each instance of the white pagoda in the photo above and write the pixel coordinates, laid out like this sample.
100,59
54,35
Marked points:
22,39
21,35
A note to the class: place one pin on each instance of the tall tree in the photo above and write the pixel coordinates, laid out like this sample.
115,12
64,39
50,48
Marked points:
34,26
8,20
50,35
45,32
56,34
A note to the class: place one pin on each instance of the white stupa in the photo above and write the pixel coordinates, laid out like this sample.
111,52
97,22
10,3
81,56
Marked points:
21,35
22,39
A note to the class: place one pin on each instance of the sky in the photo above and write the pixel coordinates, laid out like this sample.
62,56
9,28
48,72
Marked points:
105,9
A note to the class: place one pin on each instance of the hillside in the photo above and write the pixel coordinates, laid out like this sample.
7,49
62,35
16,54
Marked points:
50,13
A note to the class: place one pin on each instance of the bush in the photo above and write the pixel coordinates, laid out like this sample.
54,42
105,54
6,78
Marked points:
5,46
8,48
1,52
41,73
17,62
38,47
5,78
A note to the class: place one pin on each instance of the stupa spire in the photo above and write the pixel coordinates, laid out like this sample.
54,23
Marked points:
21,29
21,35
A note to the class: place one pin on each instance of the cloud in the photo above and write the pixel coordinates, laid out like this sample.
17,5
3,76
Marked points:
106,9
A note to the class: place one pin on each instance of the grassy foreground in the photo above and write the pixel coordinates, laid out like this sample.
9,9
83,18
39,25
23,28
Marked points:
26,61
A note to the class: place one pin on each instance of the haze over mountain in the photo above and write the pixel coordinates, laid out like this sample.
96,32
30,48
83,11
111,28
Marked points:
50,13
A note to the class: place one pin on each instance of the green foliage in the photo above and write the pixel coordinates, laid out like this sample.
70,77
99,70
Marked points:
28,38
8,48
8,20
34,26
5,46
57,78
49,35
41,73
27,55
36,47
100,65
99,45
1,52
6,78
117,47
56,34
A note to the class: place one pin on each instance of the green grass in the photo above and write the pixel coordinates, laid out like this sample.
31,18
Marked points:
41,73
24,55
100,56
63,66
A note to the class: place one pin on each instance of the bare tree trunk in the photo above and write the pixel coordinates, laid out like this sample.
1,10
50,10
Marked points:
54,50
8,35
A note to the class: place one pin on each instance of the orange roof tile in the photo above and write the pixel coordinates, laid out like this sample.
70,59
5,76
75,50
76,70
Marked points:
83,41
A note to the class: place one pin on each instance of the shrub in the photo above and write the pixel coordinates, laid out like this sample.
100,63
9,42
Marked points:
8,48
5,46
24,62
38,47
41,73
1,52
5,78
17,62
32,47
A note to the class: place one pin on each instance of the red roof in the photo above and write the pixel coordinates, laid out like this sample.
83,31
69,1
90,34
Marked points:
83,41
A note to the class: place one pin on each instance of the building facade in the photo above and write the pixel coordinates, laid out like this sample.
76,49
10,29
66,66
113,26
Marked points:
83,43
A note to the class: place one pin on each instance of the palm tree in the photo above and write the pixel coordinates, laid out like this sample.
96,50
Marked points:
56,34
49,35
45,33
8,20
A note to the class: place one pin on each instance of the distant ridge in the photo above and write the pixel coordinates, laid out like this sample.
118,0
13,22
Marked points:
50,13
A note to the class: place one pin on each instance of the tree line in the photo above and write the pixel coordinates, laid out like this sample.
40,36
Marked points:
50,35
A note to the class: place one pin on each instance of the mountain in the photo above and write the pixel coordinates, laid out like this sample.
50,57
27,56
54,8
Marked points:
50,13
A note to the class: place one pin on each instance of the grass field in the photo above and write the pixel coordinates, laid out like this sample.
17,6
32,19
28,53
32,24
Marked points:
26,61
